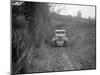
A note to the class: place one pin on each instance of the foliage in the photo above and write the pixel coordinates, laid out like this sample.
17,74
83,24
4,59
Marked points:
29,26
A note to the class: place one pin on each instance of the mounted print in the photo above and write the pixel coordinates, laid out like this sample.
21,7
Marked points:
52,37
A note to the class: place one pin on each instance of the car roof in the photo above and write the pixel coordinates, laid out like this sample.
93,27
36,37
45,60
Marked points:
60,30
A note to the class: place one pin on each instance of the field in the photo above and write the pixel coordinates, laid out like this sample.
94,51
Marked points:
78,54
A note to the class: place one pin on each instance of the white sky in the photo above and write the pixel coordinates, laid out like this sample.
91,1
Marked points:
73,9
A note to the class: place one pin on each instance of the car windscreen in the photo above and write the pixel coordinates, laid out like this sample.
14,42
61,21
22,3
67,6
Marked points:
60,32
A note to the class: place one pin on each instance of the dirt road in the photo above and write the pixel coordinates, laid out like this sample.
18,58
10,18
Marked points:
52,59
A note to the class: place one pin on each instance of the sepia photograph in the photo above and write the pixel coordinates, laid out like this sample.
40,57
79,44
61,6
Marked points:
52,37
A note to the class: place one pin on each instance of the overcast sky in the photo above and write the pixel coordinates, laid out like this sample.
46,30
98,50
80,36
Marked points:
73,9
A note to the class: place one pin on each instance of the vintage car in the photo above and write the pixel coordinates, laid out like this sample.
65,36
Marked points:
60,38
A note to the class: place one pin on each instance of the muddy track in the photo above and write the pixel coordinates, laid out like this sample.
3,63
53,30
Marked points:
52,59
